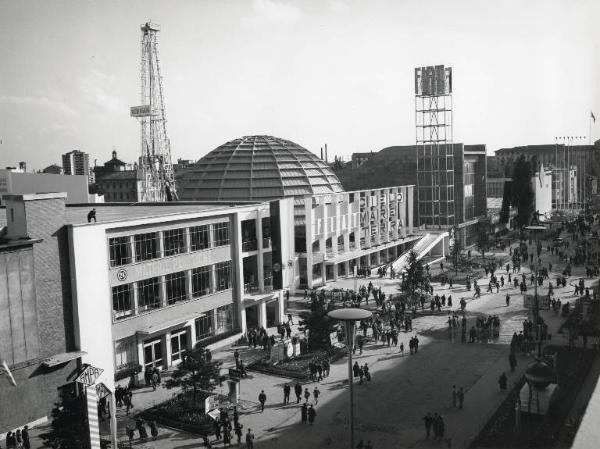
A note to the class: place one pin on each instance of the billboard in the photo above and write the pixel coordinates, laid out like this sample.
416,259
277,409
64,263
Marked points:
140,111
433,80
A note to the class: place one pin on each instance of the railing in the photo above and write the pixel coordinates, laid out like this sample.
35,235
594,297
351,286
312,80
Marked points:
340,248
249,245
250,288
352,246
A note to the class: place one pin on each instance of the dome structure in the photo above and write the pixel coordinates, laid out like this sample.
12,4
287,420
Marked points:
257,168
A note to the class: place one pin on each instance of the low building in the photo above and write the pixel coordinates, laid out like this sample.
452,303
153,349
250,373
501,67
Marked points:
118,181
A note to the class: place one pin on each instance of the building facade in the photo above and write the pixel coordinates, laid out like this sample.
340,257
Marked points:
29,183
77,163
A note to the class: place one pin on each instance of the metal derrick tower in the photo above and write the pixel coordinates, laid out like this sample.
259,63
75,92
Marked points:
435,151
158,181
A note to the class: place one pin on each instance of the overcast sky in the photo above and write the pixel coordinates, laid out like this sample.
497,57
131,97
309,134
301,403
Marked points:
337,71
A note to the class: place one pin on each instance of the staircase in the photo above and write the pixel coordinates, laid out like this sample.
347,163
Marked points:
422,247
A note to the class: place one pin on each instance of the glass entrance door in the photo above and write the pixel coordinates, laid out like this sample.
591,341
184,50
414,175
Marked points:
178,345
153,353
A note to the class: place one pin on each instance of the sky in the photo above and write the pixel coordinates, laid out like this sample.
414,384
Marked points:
339,72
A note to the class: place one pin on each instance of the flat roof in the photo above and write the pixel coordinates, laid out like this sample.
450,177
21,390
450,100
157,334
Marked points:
111,212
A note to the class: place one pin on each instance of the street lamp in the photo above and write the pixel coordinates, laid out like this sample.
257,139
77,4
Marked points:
349,317
536,300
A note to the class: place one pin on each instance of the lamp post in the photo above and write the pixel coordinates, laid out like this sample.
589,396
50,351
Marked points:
349,317
536,300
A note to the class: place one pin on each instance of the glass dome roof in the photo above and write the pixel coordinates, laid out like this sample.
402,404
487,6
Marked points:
257,168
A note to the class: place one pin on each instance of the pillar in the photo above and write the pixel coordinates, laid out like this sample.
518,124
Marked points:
136,298
262,314
166,344
347,268
259,254
335,271
163,291
191,333
308,230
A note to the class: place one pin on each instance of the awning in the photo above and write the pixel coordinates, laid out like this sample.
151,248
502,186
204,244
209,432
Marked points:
152,329
65,357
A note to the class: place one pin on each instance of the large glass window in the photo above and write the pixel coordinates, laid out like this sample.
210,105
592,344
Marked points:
146,246
120,251
175,286
223,275
204,326
224,318
125,354
149,293
178,344
201,281
174,242
199,237
122,296
221,234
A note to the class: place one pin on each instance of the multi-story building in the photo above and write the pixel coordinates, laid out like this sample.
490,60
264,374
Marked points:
118,181
77,163
495,186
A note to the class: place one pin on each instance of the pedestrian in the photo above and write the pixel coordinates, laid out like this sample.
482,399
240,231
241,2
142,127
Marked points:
502,381
461,397
316,394
298,391
402,348
91,216
312,413
507,300
154,380
454,396
286,393
512,360
355,369
360,445
304,413
153,430
369,445
127,395
249,439
226,436
238,432
428,419
25,435
130,434
217,428
262,398
306,394
141,427
290,320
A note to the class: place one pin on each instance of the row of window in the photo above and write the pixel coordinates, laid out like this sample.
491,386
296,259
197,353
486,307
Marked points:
146,246
149,294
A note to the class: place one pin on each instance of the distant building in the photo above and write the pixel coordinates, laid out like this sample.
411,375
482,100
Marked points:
77,163
76,186
182,164
53,170
360,158
118,181
495,186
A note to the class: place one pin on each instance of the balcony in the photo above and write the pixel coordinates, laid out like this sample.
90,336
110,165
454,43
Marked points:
340,248
249,245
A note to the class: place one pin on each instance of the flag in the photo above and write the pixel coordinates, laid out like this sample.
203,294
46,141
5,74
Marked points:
593,116
4,370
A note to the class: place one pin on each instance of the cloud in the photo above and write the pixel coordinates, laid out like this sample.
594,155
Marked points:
56,106
273,10
338,6
95,88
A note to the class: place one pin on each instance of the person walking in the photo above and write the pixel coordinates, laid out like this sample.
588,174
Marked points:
461,397
238,432
25,435
512,360
286,394
312,413
153,430
306,394
262,398
316,393
298,391
304,413
502,380
249,439
428,420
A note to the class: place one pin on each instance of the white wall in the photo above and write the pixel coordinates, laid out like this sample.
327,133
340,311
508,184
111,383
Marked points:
542,189
91,298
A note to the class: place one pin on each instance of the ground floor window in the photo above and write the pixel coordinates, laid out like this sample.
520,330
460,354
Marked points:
153,353
125,354
178,345
316,271
122,296
204,326
225,318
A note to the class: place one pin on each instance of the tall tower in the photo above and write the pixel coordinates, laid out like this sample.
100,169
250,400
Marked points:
435,155
158,182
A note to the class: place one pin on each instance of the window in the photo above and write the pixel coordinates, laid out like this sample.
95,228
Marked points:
120,251
175,283
201,281
149,293
174,242
221,234
224,319
223,275
146,246
199,237
204,326
178,345
125,354
122,301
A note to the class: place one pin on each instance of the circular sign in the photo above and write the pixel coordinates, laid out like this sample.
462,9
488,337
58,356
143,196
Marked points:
122,274
276,267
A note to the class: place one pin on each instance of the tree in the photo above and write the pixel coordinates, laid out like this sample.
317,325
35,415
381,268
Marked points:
69,428
483,238
416,278
506,202
195,373
522,191
455,251
318,323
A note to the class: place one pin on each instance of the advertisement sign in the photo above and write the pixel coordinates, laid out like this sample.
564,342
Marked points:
140,111
89,375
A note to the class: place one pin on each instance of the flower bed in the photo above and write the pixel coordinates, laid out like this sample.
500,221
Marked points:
296,368
180,412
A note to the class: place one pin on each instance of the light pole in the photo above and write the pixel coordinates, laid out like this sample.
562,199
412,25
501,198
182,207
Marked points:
536,300
349,317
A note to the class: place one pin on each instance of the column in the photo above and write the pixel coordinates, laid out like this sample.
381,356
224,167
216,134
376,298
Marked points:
213,279
347,268
166,344
188,240
409,212
163,291
259,256
134,286
140,352
335,271
191,335
262,314
323,272
402,219
132,247
188,284
308,230
161,244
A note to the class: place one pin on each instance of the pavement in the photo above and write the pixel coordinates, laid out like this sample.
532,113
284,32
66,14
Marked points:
388,409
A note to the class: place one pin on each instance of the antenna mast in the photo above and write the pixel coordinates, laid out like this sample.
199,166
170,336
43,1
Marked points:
158,181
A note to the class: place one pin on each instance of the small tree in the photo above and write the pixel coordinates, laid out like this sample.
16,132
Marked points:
195,373
455,251
69,428
483,238
416,278
318,323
